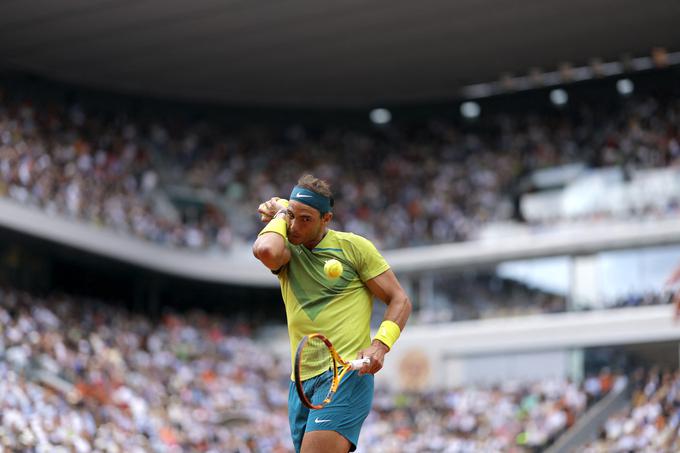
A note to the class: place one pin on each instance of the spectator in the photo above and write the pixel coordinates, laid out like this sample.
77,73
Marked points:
82,376
435,182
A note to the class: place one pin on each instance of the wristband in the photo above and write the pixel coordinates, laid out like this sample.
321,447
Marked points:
276,225
388,333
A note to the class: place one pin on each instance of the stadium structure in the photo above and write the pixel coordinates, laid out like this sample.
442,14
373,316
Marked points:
519,164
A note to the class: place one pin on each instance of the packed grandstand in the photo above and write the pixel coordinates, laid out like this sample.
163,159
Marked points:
193,183
80,375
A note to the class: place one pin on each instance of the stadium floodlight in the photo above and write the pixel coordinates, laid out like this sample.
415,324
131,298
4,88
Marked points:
559,97
470,109
380,116
624,86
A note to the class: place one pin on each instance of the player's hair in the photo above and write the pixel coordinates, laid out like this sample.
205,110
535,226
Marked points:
317,185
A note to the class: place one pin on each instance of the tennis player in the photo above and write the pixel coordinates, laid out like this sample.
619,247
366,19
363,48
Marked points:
295,245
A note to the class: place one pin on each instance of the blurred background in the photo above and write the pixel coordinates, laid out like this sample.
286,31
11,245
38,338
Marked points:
518,163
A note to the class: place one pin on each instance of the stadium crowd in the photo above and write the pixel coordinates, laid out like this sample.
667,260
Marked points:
400,186
483,296
510,417
79,375
480,296
650,423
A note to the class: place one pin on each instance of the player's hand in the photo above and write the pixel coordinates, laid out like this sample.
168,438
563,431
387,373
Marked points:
271,207
376,352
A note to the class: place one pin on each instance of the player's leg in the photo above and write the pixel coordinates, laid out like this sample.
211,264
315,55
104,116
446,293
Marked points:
297,417
325,442
336,427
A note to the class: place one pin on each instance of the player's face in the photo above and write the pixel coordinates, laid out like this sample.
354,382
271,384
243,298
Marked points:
306,225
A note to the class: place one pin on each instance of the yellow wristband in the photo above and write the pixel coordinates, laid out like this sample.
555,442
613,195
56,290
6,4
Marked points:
388,333
276,225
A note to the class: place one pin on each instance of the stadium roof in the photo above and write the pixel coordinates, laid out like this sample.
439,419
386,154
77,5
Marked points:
319,53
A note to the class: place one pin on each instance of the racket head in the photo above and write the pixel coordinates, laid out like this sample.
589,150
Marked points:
315,355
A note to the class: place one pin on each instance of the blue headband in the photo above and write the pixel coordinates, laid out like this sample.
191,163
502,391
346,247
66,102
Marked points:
310,198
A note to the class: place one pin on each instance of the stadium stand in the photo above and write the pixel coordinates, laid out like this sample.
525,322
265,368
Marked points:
133,320
78,375
649,423
512,417
193,183
81,375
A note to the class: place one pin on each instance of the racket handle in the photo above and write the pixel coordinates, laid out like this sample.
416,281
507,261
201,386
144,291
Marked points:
358,363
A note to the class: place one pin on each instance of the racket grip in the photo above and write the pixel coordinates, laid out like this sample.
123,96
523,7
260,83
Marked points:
358,363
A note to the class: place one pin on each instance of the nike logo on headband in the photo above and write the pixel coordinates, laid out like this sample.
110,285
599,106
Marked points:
301,195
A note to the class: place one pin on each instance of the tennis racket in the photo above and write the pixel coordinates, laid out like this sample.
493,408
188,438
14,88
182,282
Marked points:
315,353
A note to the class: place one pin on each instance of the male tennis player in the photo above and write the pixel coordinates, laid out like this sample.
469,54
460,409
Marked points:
295,244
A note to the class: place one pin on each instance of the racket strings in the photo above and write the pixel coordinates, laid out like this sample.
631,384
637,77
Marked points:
316,358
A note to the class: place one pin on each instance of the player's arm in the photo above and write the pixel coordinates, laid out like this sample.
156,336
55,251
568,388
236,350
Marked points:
386,287
672,284
270,246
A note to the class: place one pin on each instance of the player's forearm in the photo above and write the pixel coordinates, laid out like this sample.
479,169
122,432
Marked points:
270,246
396,315
398,309
271,250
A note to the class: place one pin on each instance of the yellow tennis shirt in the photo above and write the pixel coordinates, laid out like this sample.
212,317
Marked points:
338,308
